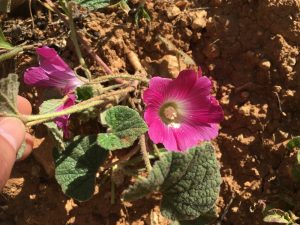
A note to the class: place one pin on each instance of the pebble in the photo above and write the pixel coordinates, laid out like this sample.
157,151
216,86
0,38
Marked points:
199,19
211,51
173,11
265,64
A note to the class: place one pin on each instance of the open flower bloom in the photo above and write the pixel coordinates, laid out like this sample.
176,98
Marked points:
181,113
52,72
62,121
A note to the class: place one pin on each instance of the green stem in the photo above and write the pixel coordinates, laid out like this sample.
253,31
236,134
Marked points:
145,154
16,50
38,119
75,42
123,76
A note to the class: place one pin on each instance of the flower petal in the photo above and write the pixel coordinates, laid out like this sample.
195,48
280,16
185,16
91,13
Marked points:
188,135
160,133
156,91
182,85
35,76
62,121
50,61
202,110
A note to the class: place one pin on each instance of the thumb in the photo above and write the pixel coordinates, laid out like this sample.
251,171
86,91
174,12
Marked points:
12,134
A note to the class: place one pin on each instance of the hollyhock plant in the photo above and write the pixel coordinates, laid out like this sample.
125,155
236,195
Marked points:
52,72
181,113
62,121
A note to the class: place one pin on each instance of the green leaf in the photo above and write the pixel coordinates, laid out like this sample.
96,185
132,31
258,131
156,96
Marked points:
9,88
205,219
93,4
5,6
3,42
48,107
278,216
76,167
126,126
140,14
294,143
84,93
189,182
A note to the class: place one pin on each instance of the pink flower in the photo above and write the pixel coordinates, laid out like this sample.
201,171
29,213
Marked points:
52,72
62,121
181,113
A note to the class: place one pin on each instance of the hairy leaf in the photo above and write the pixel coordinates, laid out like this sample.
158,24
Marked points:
3,42
126,126
279,216
205,219
84,93
9,88
93,4
76,167
48,107
294,143
189,182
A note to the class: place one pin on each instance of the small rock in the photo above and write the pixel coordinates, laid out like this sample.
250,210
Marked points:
173,11
277,88
199,19
292,61
265,64
169,66
234,209
211,51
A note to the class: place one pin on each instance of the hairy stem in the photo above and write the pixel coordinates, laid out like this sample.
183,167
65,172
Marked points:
145,154
123,76
98,100
75,42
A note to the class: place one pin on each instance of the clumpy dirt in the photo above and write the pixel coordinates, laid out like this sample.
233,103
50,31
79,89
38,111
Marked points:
250,49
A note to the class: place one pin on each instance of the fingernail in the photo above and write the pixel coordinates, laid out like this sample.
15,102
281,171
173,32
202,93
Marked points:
12,130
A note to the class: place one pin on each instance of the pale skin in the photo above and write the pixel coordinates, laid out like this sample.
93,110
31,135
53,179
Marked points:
12,135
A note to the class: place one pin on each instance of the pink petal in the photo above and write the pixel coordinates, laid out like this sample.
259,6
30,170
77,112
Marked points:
62,121
151,115
189,135
35,75
50,61
156,91
160,133
182,85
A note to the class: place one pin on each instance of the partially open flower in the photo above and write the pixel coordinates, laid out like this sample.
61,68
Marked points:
52,72
62,121
181,113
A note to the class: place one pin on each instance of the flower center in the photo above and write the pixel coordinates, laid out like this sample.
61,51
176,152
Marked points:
170,114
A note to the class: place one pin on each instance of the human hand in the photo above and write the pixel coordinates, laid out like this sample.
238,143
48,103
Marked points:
12,135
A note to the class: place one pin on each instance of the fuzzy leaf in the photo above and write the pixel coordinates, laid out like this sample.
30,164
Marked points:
84,93
48,107
9,88
3,42
76,167
93,4
294,143
205,219
189,182
278,216
126,126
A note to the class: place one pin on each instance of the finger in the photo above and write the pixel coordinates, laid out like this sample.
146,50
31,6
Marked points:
12,134
24,105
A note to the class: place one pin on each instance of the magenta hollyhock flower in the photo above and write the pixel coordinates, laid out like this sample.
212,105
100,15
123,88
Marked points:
52,72
62,121
181,113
